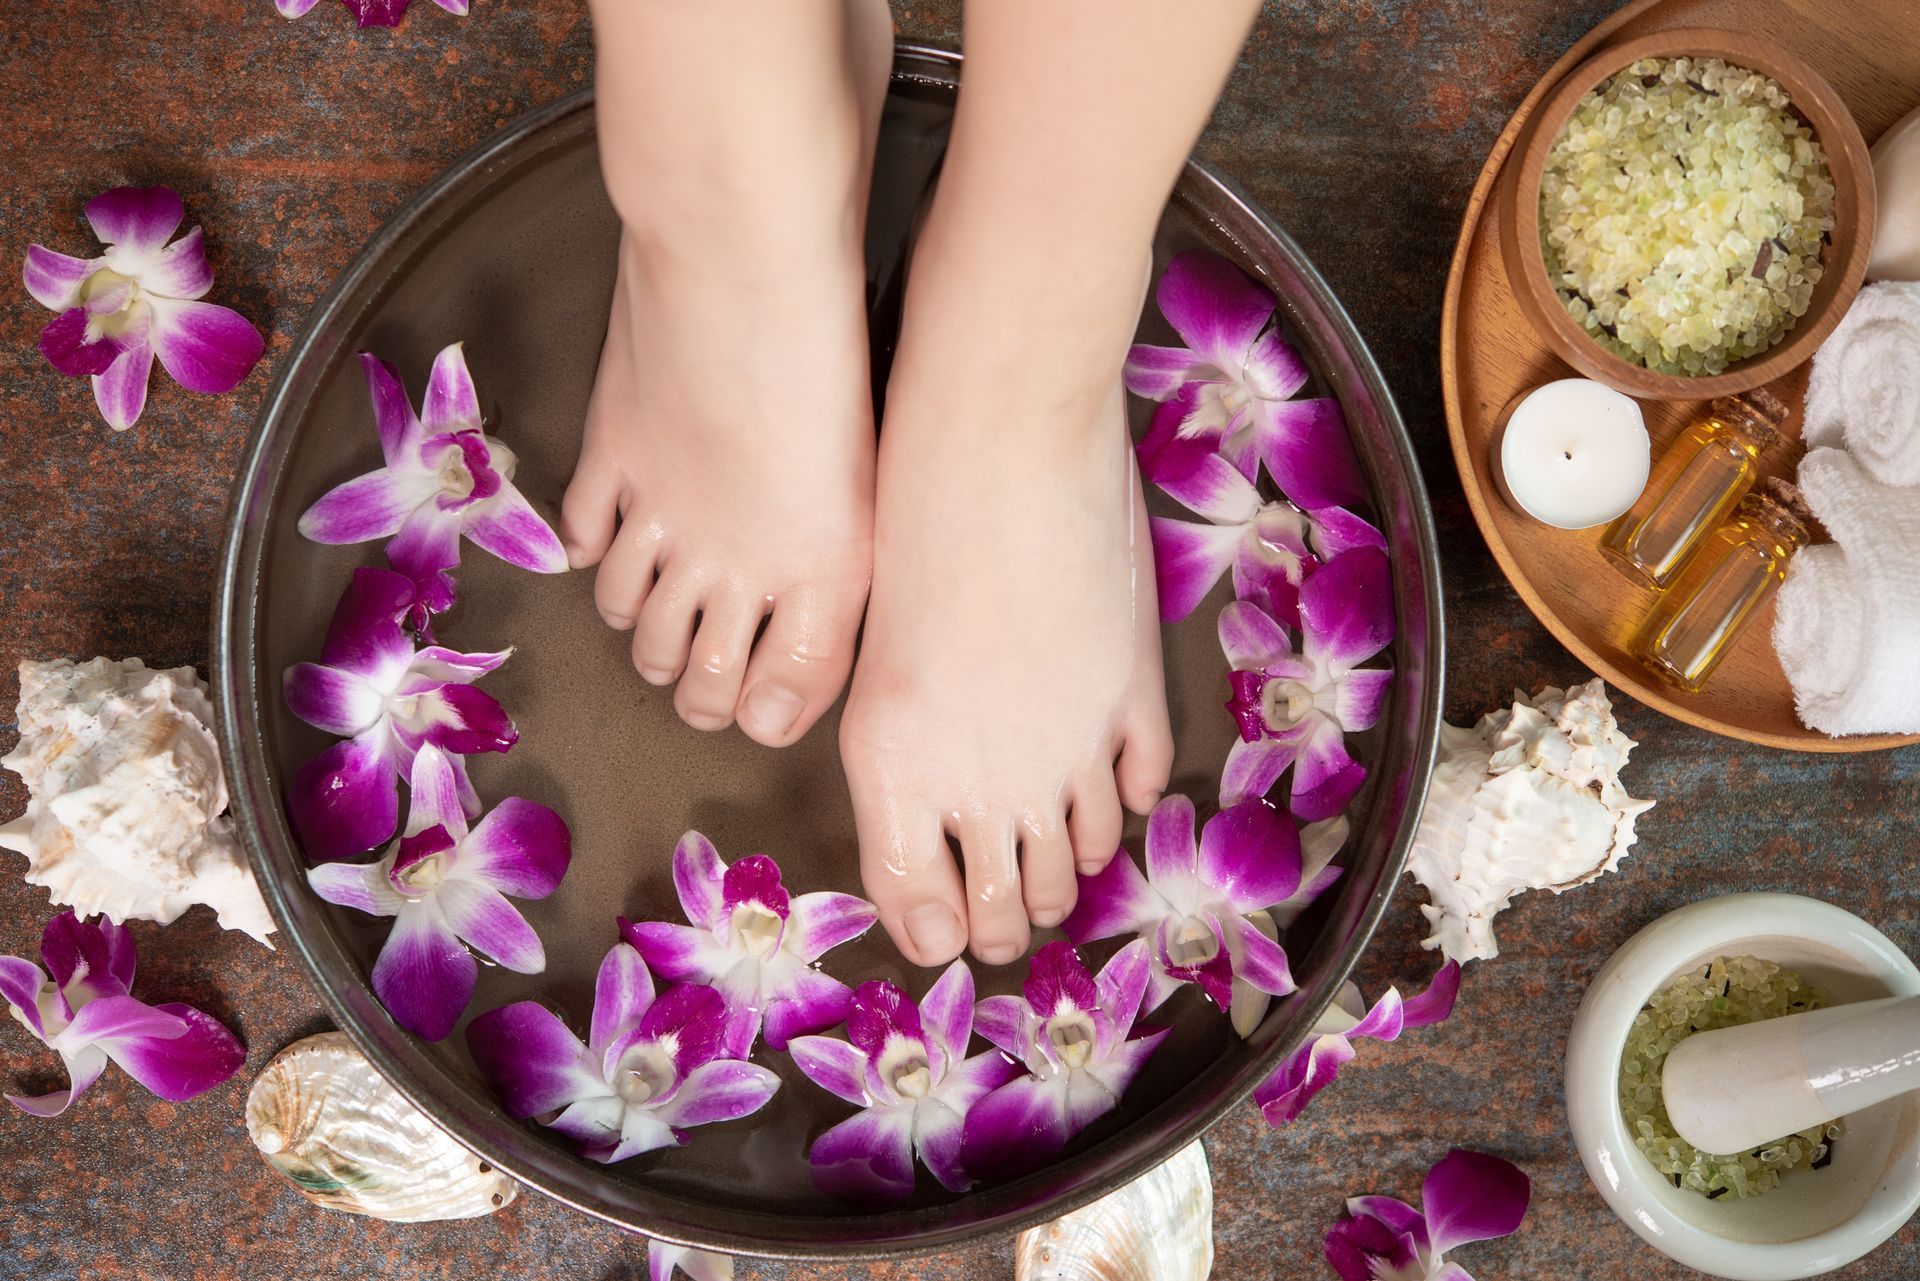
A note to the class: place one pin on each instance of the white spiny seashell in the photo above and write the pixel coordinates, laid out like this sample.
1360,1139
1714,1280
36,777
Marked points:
321,1115
1530,798
1157,1228
126,804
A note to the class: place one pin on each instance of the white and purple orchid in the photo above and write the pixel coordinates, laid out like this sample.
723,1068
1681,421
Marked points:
906,1067
1228,391
651,1069
369,13
1297,708
1206,911
137,300
386,699
445,886
1467,1196
444,479
1075,1033
81,1007
699,1265
1310,1069
753,942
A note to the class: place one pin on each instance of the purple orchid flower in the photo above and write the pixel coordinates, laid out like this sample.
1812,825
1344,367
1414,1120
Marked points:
86,1014
386,699
369,13
1206,912
1227,392
1312,1068
1297,709
754,943
139,299
444,478
1467,1196
1076,1035
905,1065
651,1068
699,1265
445,886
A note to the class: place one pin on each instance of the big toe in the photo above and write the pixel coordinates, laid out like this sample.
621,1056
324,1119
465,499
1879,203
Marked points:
800,665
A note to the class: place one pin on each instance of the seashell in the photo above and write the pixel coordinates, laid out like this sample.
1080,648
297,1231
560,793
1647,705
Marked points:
1157,1228
1529,798
126,803
321,1115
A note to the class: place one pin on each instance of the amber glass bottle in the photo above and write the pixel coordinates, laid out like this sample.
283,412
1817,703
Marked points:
1721,459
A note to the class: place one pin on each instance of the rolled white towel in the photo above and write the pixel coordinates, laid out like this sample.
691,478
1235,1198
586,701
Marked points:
1847,627
1864,391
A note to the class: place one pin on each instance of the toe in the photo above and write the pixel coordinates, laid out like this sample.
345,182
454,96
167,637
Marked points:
588,512
909,874
663,632
1093,824
625,577
800,665
1047,882
996,915
1146,758
710,686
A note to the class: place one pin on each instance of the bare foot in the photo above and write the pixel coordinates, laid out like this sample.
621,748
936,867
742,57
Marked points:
726,473
1012,647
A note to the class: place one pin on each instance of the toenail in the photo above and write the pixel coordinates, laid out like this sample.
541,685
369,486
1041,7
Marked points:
999,953
1047,917
935,931
771,709
619,622
656,675
577,557
705,720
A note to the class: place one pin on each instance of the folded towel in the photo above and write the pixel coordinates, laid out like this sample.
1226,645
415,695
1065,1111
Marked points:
1847,626
1864,392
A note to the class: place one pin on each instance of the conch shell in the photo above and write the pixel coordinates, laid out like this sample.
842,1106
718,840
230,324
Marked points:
1157,1228
126,808
1529,798
323,1117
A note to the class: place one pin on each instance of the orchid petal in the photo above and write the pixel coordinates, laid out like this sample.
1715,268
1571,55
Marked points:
1273,370
677,952
366,507
339,702
1000,1019
436,664
1325,775
109,1018
1396,1215
427,545
939,1135
95,958
438,797
451,401
1346,608
1213,306
1178,437
1283,1096
458,8
1057,980
1384,1022
814,1001
1249,638
54,279
470,720
699,1265
138,220
1360,697
722,1090
1471,1196
1435,1005
867,1157
522,848
345,801
1115,900
1307,451
967,1081
182,270
121,392
205,347
1188,559
424,975
1355,1244
361,886
71,346
1021,1125
879,1012
833,1065
483,919
1122,982
20,984
824,920
946,1011
84,1067
1250,853
755,879
1210,486
1259,960
1319,844
1115,1072
687,1017
530,1059
196,1055
1159,372
1170,849
1253,768
507,526
698,876
1335,531
294,8
622,993
393,416
364,635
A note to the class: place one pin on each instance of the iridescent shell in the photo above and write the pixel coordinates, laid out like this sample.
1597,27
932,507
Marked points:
126,803
1157,1228
321,1115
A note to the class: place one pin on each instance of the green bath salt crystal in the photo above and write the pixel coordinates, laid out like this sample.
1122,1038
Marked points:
1729,992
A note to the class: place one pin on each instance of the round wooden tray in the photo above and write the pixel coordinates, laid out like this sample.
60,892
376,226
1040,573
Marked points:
1489,355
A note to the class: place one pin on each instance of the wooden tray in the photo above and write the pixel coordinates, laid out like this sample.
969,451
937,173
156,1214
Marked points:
1489,355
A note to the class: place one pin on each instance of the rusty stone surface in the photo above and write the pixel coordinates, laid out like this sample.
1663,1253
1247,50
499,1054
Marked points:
1360,123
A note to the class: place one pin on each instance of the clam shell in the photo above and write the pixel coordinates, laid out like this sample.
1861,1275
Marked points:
1157,1228
322,1116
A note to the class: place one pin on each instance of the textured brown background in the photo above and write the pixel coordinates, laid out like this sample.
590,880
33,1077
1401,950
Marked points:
1361,125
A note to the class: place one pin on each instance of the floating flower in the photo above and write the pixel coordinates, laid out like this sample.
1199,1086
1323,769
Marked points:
700,1265
137,300
1311,1068
1227,392
386,699
753,943
1297,709
369,13
1467,1196
445,887
86,1015
1076,1035
444,479
905,1065
651,1068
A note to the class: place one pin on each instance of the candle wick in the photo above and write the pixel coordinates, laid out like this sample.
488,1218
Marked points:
1567,454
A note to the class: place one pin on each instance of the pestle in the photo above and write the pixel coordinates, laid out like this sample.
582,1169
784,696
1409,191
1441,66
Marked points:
1794,1072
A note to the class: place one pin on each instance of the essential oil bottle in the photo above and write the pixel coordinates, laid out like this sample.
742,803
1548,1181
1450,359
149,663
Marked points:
1738,570
1721,452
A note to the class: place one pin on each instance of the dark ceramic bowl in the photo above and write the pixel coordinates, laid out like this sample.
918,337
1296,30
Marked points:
513,251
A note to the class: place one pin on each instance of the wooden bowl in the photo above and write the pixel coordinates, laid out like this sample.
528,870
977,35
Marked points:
1845,259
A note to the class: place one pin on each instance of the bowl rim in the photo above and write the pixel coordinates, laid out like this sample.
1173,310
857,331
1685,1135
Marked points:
1855,205
427,1083
1622,987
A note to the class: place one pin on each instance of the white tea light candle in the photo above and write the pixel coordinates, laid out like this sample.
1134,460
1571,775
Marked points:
1573,454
